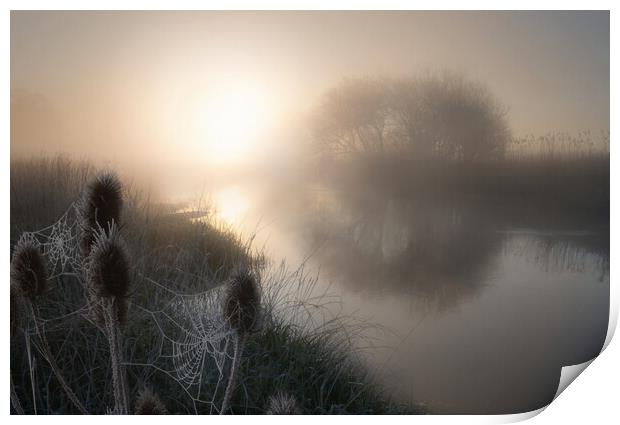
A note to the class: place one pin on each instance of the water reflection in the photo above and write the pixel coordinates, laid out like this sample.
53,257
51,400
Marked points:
477,315
436,253
451,238
231,205
485,314
226,206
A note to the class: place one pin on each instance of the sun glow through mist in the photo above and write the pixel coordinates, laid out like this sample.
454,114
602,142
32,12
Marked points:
233,121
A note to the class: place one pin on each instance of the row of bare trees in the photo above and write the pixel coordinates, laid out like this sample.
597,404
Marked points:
445,116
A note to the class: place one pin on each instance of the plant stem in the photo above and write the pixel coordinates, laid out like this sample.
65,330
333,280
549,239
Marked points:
239,343
118,376
14,399
47,354
31,370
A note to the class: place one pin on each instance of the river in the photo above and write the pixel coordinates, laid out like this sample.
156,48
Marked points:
472,315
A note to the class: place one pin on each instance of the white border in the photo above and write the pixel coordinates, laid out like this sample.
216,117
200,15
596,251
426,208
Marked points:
592,399
307,5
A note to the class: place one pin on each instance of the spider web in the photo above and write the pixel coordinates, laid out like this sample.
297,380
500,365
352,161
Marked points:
59,243
192,330
188,339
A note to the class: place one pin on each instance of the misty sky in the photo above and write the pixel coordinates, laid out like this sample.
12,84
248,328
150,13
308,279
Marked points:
131,82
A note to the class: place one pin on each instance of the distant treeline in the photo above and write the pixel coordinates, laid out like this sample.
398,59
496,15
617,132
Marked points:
433,117
446,139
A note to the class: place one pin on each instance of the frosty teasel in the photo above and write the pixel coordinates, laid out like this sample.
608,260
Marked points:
29,278
103,266
107,270
242,308
28,268
192,337
198,341
86,244
100,206
108,280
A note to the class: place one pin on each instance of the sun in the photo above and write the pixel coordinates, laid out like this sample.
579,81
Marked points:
232,122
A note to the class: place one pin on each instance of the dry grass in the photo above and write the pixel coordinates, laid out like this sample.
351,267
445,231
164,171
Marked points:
177,267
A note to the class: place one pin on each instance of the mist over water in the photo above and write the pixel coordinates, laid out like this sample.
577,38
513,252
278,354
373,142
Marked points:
471,316
445,175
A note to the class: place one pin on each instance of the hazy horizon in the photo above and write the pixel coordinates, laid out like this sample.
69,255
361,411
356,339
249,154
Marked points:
400,212
119,86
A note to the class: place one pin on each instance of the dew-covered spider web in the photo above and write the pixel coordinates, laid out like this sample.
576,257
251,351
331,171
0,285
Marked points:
187,331
180,338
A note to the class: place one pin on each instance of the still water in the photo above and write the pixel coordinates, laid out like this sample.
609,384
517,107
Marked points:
472,315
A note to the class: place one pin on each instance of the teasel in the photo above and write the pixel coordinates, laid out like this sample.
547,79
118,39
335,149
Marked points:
28,268
108,277
28,280
242,310
149,403
100,206
29,277
108,264
283,404
108,274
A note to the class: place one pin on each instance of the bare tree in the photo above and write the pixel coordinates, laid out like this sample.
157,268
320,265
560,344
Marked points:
352,118
443,116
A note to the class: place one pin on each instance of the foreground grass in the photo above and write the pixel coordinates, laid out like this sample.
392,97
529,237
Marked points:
175,259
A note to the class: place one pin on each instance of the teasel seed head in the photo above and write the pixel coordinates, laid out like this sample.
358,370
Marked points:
108,264
283,404
28,268
148,403
100,206
242,302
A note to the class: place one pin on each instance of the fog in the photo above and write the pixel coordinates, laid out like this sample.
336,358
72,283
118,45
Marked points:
446,174
137,85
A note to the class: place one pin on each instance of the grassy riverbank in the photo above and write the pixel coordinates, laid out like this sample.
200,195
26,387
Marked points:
177,267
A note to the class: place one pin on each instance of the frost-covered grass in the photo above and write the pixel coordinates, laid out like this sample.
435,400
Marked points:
175,339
